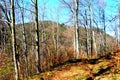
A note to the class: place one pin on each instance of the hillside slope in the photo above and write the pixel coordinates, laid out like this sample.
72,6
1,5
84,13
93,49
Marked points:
104,68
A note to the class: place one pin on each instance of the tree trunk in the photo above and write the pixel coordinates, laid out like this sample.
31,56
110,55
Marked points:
100,42
24,42
37,37
91,26
93,44
119,28
103,21
57,39
13,40
76,40
87,41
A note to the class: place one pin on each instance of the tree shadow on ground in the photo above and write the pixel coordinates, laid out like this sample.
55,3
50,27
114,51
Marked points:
86,61
102,71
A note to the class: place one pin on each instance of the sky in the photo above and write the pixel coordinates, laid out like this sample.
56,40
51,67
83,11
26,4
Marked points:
111,7
55,11
52,10
111,11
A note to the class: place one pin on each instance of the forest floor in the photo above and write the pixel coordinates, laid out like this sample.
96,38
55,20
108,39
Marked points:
104,68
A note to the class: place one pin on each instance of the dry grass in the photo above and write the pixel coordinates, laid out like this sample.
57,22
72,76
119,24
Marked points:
98,69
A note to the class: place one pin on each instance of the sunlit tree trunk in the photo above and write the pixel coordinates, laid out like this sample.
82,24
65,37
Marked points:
57,39
103,21
100,42
76,40
55,35
37,37
42,25
13,40
119,27
24,41
93,43
86,29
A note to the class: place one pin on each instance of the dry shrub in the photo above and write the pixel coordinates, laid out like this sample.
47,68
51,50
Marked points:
116,49
55,60
82,55
70,52
0,54
7,77
62,55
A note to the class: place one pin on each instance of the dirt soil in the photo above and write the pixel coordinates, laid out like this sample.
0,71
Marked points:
104,68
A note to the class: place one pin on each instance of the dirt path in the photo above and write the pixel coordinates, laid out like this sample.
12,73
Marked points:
105,68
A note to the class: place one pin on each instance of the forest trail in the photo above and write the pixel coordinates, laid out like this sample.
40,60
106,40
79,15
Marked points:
104,68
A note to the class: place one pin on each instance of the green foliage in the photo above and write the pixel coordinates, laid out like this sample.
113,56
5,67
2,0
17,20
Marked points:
6,70
80,78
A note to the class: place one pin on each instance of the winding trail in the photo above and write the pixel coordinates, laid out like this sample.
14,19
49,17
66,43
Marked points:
105,68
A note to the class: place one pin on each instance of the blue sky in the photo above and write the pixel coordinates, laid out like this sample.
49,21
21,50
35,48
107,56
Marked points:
54,11
111,10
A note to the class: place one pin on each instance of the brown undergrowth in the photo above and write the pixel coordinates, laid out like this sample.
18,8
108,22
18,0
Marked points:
103,68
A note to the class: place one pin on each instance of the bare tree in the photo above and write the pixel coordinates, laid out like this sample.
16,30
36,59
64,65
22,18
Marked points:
24,36
4,5
37,36
119,25
76,28
93,43
15,56
102,17
2,32
73,6
86,28
103,21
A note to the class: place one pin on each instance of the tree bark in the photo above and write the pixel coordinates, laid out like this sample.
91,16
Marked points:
119,28
24,42
87,41
103,21
93,43
37,37
13,40
76,41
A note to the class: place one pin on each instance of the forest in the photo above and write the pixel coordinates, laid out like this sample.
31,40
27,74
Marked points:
59,40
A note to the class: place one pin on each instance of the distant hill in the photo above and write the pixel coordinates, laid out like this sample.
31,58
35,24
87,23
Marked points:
66,34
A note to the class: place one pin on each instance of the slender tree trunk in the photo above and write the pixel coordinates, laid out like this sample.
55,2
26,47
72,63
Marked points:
76,42
87,41
93,44
24,42
3,41
37,37
119,28
43,26
2,33
100,42
91,26
103,21
0,37
53,35
4,38
13,40
57,39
